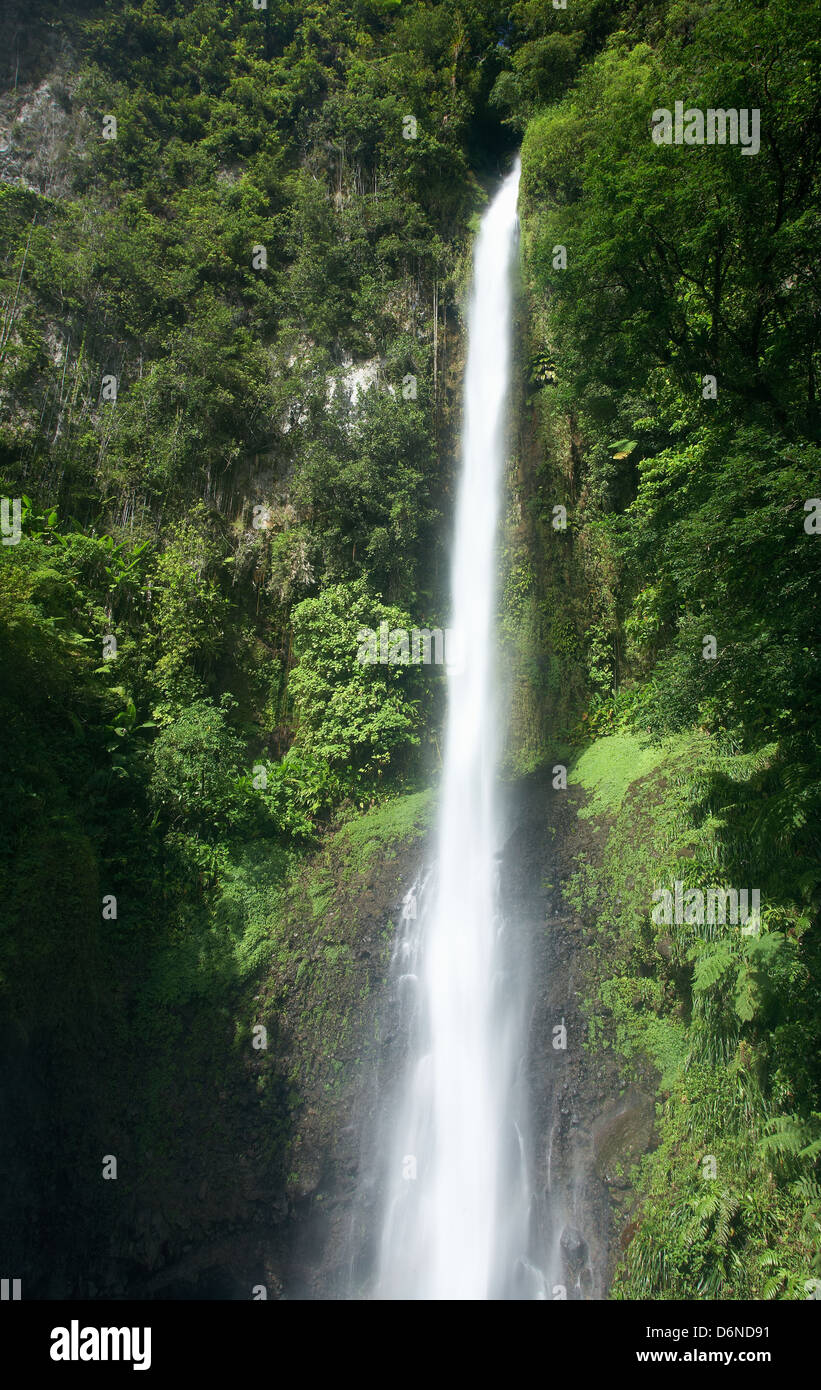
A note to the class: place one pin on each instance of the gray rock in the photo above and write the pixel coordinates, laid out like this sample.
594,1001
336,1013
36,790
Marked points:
574,1248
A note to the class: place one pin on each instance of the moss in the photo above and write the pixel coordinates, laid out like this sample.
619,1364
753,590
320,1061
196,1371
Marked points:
401,818
610,765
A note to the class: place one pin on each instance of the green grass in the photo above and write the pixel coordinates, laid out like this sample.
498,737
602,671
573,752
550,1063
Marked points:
609,766
399,819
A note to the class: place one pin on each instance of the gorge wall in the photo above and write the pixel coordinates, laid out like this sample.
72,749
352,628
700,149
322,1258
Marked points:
208,828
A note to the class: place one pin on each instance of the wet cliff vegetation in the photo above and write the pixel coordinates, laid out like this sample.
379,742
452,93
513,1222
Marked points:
674,415
229,370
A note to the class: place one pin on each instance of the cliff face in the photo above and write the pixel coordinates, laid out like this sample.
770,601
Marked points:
591,1102
591,1107
240,1166
230,371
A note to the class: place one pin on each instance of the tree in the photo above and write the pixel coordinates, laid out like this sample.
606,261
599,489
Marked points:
358,717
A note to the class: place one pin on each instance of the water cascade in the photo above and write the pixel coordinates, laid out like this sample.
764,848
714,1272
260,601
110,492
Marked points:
455,1223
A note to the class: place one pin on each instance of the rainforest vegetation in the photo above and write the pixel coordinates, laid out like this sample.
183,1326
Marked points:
230,364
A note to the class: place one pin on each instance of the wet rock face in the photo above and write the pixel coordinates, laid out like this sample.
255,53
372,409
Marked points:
574,1249
299,1214
317,1237
586,1125
622,1133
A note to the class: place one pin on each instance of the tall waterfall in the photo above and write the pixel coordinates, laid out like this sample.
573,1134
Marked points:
456,1216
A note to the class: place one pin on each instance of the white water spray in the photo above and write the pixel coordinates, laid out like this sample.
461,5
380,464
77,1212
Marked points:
456,1218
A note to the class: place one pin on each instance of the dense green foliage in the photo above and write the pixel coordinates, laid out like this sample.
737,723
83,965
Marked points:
228,365
230,353
725,1017
681,341
241,468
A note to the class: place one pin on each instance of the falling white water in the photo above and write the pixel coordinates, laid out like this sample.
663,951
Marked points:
456,1216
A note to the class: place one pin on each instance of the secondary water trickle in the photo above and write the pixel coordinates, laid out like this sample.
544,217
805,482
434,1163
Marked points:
455,1223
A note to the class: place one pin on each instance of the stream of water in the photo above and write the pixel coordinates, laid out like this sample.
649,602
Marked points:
455,1222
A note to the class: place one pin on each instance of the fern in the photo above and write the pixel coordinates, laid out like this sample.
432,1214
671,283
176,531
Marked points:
712,966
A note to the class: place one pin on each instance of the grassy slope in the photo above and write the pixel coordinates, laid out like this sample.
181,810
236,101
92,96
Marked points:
747,1231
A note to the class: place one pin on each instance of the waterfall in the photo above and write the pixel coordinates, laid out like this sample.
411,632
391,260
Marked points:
455,1224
